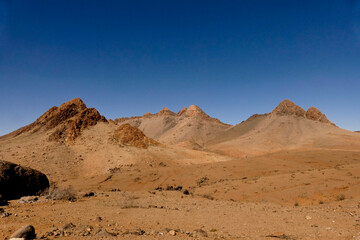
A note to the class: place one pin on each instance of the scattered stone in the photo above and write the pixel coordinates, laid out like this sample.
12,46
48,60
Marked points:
308,218
3,213
104,233
280,236
26,232
186,192
137,232
172,232
162,164
89,194
68,226
199,233
202,181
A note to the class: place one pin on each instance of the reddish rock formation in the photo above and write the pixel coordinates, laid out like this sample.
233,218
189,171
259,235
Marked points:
314,114
128,135
287,107
68,119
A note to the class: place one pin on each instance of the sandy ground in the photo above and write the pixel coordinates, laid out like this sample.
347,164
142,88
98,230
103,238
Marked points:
288,195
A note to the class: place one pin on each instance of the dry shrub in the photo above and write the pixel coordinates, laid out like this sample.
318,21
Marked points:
128,201
340,197
55,193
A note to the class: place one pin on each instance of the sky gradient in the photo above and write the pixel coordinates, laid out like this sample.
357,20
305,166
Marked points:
231,58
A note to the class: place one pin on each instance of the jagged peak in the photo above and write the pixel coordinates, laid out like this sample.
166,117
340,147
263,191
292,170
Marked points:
75,102
147,114
287,107
182,111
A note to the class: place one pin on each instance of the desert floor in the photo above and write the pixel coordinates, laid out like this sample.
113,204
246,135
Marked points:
284,195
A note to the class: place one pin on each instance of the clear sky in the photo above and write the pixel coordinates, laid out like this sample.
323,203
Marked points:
232,58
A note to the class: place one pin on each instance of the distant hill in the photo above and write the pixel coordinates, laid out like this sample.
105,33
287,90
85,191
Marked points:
287,127
190,127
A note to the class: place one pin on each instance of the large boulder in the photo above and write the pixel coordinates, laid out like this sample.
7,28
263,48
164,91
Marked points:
26,232
17,181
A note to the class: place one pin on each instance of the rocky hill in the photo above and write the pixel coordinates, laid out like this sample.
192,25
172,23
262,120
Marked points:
68,121
286,127
190,127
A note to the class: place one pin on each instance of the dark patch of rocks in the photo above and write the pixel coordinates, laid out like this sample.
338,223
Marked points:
89,194
3,213
202,181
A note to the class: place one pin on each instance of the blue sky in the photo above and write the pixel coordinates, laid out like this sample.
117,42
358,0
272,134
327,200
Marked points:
232,58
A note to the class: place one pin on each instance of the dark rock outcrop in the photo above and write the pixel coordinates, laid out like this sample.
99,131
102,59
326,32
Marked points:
26,232
17,181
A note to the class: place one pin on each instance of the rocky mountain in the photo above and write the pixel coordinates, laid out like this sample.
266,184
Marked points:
190,127
67,121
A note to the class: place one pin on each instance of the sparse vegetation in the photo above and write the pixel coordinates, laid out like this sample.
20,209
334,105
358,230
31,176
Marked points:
208,196
55,193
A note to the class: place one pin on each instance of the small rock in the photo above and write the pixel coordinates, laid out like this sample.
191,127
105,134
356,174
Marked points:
186,192
89,194
3,213
104,233
68,226
28,199
172,232
199,233
308,218
26,232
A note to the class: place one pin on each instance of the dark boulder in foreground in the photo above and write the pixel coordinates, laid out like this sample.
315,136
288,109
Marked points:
17,181
26,232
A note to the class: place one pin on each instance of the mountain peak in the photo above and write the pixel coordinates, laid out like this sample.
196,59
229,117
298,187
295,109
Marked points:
182,111
194,111
165,111
315,114
287,107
